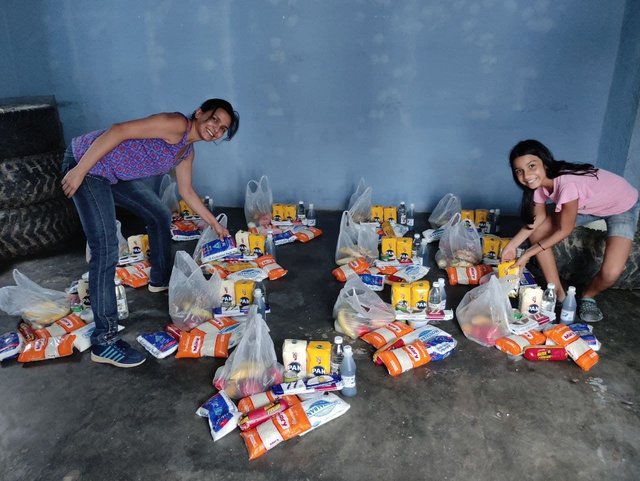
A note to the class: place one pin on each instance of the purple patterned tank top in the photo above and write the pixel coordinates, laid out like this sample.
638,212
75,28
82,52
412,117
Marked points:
133,158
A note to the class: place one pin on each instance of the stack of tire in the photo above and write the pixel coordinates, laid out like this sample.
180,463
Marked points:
35,216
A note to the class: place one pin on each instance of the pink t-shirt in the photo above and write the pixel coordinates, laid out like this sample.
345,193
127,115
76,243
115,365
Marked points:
604,195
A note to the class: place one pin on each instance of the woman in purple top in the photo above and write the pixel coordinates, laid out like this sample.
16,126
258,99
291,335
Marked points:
581,194
103,169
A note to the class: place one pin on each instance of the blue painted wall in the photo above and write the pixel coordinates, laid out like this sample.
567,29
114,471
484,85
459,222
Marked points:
419,97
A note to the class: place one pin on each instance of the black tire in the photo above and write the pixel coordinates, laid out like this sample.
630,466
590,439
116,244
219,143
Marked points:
28,129
30,180
41,227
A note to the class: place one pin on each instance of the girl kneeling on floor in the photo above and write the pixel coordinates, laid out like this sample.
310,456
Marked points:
581,194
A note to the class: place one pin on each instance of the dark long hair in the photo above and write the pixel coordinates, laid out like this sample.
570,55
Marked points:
212,105
554,168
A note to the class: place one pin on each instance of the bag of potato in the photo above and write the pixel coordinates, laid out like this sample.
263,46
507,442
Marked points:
355,240
448,206
191,296
359,310
252,367
460,243
35,304
257,202
484,313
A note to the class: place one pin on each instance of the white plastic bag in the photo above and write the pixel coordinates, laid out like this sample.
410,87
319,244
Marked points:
207,236
168,193
253,367
359,310
191,296
448,206
484,313
35,304
460,243
355,240
360,188
360,203
257,202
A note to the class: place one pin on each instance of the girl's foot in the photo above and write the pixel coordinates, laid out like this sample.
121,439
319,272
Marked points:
589,310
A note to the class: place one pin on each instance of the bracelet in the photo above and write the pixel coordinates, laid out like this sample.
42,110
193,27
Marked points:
540,245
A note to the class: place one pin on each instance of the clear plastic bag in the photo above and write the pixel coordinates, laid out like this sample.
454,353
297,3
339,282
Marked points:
359,310
191,296
360,203
257,202
207,236
355,240
168,193
460,243
253,367
448,206
35,304
484,313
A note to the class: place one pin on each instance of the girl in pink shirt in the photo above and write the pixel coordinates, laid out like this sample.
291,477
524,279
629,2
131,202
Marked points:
581,194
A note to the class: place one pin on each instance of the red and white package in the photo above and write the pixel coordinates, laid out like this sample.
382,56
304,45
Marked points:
61,327
271,267
307,234
47,348
384,335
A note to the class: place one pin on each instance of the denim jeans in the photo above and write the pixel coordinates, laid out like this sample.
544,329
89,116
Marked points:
95,201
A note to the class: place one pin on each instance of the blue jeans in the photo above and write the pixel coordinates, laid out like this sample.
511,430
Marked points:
95,201
618,225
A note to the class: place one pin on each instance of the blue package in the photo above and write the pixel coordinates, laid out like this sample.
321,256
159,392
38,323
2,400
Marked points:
222,414
159,344
585,331
285,237
10,345
439,344
375,282
217,249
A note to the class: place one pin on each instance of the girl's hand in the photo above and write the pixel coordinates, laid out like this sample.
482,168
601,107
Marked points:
522,261
72,181
508,253
221,231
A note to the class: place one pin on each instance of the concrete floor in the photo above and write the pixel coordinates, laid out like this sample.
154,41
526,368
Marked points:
477,415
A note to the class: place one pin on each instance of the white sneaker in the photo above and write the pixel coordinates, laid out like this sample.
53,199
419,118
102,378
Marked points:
153,288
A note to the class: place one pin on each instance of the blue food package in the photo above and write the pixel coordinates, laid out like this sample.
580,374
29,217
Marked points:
11,344
375,282
585,331
285,237
222,414
217,249
159,344
439,343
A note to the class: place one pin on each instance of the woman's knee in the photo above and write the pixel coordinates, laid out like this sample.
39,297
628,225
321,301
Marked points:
610,274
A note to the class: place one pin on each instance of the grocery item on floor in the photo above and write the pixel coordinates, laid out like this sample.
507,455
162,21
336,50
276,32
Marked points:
355,240
515,344
460,243
322,408
281,427
191,296
484,313
134,275
212,338
545,353
218,249
405,358
62,326
11,344
585,331
386,334
306,233
268,264
446,208
35,304
259,415
294,357
160,344
352,269
359,310
47,348
360,203
255,401
576,347
439,343
257,202
252,367
222,414
324,383
468,275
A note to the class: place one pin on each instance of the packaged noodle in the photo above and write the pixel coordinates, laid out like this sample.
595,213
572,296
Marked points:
405,358
61,327
271,267
282,426
382,336
515,344
47,348
307,233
